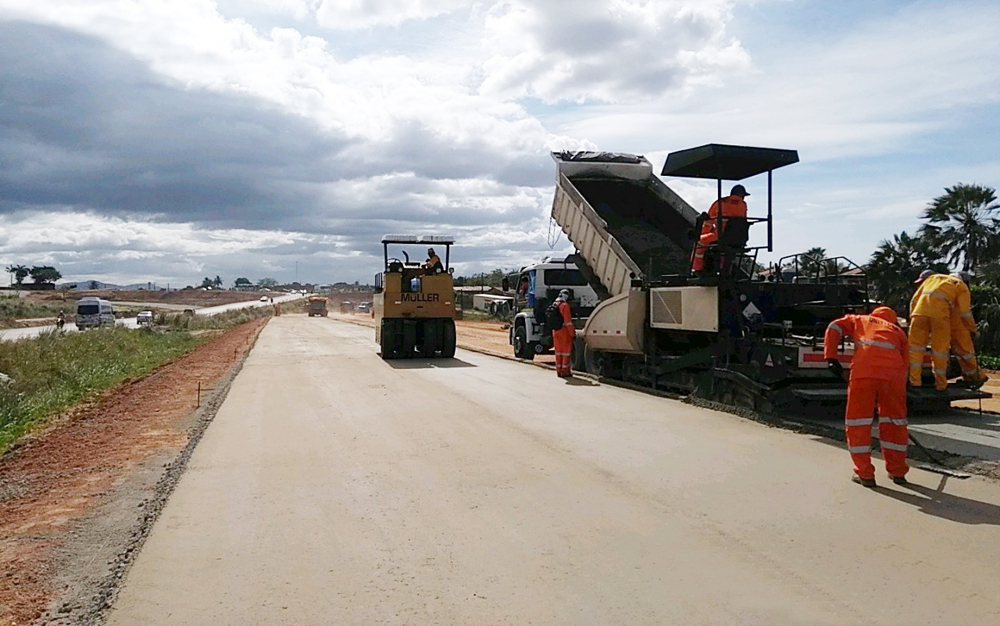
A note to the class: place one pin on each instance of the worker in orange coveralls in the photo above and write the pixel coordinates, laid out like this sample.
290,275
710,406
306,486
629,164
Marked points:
733,205
877,381
562,337
938,297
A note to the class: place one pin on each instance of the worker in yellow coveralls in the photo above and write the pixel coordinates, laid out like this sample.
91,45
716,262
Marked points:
938,297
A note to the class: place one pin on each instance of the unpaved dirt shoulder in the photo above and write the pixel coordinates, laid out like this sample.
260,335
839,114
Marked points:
77,501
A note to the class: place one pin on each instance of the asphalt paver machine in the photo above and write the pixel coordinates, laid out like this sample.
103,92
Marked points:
740,333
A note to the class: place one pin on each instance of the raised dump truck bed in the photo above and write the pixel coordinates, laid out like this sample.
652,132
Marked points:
624,221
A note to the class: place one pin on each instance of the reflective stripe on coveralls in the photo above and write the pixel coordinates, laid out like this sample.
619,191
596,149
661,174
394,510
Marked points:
562,341
877,383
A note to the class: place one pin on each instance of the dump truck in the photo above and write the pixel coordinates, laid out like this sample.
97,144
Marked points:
739,333
316,305
414,305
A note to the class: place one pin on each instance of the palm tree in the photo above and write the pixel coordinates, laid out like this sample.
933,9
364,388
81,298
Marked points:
809,262
961,224
20,272
896,264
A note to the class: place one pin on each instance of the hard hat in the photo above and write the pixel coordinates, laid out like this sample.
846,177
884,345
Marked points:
739,190
885,313
923,276
563,295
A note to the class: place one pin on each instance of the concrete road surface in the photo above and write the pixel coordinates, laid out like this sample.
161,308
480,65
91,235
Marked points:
335,488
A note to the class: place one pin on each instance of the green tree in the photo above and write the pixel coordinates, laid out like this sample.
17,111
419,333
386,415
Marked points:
242,282
95,285
488,279
267,283
896,264
810,263
217,282
44,274
961,224
20,272
207,283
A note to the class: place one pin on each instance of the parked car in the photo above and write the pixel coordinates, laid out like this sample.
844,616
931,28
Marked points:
263,298
144,318
365,307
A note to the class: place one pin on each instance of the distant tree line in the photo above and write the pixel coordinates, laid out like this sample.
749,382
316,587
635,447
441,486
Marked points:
40,274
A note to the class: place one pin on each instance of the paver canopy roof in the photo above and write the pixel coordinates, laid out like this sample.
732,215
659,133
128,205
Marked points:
721,161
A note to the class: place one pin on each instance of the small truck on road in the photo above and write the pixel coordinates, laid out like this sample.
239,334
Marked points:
316,305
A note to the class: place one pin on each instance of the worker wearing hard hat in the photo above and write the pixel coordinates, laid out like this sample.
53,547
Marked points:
938,297
877,382
963,327
562,337
732,206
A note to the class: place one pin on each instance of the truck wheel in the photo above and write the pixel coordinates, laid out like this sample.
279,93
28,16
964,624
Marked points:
386,341
576,357
593,362
522,349
448,344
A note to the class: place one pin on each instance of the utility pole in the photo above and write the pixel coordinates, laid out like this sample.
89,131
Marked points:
296,271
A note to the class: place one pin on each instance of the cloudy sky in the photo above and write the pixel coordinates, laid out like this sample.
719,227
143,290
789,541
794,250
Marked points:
168,140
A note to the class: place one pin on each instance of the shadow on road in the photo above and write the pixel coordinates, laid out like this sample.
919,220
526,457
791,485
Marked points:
419,364
938,503
580,382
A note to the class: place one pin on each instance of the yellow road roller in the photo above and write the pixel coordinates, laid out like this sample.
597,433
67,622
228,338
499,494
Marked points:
414,302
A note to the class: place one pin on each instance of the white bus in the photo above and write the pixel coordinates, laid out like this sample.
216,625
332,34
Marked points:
93,313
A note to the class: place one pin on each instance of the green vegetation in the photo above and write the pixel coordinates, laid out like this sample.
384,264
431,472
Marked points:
960,229
229,319
56,370
20,308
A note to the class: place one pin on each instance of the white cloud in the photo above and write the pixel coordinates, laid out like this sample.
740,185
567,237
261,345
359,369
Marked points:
435,134
355,14
618,51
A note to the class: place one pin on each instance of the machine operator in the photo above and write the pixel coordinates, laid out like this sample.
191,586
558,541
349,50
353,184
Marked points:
433,263
732,206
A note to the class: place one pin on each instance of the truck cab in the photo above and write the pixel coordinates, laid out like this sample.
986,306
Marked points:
535,287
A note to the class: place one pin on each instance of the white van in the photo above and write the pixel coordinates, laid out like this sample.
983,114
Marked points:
94,312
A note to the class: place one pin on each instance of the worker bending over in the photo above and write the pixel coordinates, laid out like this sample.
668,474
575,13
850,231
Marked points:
732,206
940,310
562,337
877,382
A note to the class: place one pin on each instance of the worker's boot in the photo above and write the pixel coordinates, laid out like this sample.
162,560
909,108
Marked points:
864,482
900,480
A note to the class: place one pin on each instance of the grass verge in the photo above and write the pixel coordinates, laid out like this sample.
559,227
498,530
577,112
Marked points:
52,372
229,319
12,308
